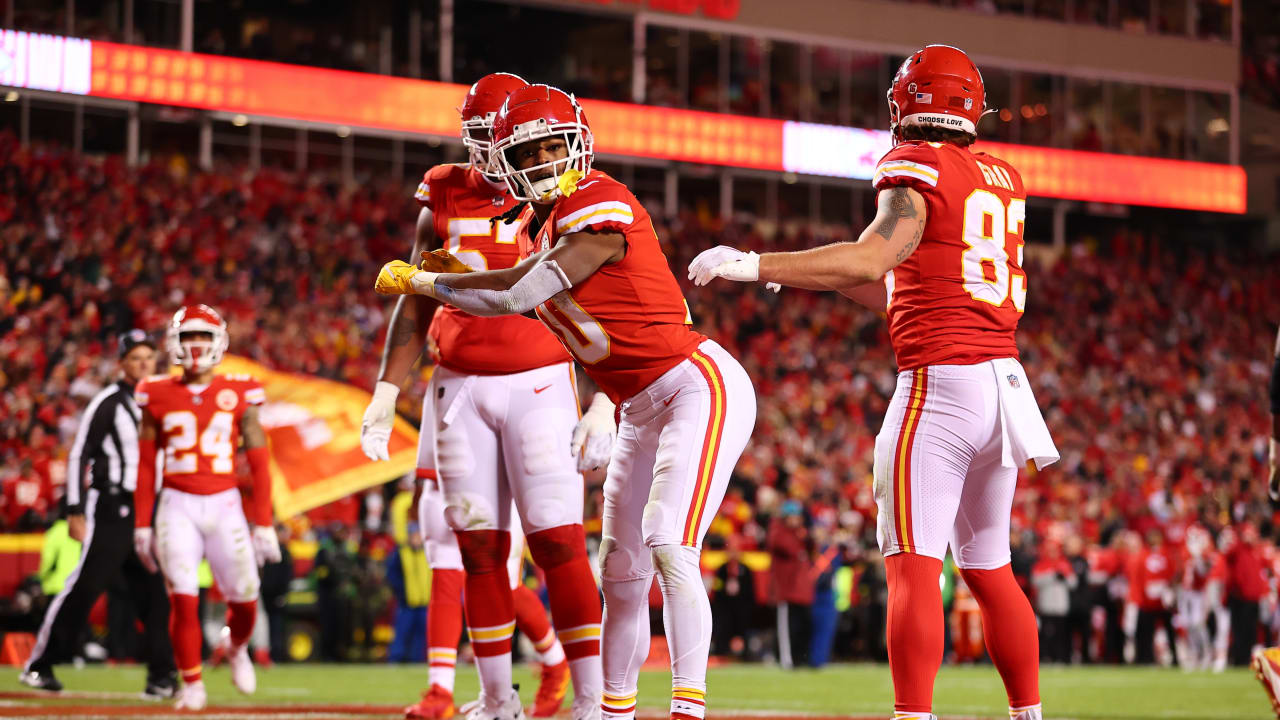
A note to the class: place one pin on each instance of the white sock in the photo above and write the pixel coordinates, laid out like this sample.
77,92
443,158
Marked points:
550,651
495,676
588,677
1030,712
443,666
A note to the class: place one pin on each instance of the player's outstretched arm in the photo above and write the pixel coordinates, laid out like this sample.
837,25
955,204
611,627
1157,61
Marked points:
517,290
406,336
890,239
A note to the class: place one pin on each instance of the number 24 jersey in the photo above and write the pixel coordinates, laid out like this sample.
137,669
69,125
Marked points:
198,432
958,298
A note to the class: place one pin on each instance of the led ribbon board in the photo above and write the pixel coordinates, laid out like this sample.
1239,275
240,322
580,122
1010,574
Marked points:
251,87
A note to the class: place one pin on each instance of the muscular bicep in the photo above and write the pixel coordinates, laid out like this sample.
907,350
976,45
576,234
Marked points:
582,253
897,228
251,429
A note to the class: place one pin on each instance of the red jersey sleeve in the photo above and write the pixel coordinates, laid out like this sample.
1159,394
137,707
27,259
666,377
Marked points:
254,393
430,190
599,204
142,393
913,164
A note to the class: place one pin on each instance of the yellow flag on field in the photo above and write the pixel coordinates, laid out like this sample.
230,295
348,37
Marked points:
313,426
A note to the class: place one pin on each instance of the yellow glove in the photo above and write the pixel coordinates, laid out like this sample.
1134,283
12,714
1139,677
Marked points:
396,278
442,261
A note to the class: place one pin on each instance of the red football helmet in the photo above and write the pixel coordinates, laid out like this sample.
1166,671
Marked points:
482,103
192,354
938,86
532,113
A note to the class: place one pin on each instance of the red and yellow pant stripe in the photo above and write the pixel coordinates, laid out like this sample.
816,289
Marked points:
618,704
706,467
902,476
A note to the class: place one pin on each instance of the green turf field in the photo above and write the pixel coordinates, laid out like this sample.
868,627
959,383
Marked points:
1101,693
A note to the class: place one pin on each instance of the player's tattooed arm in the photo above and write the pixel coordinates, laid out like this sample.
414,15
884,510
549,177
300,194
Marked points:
407,330
888,241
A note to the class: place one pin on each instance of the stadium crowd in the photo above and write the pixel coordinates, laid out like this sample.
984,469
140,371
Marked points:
1148,356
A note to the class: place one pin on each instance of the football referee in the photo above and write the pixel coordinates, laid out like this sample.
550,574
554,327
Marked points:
101,517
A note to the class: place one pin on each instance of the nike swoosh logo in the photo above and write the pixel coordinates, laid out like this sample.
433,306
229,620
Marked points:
538,390
585,184
673,397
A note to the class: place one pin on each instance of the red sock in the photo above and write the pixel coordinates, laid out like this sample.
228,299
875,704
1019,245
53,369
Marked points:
444,626
531,616
444,610
491,612
184,631
240,618
561,552
913,629
1009,629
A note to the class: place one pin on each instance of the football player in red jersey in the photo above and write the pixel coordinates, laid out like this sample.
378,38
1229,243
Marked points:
947,242
596,275
500,423
197,421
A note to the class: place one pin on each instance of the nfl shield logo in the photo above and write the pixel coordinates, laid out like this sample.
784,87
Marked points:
1013,381
968,103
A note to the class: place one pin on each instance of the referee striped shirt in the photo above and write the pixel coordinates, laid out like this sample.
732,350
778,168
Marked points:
106,446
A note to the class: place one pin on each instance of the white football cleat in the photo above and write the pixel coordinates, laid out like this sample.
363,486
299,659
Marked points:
585,708
508,708
242,675
192,697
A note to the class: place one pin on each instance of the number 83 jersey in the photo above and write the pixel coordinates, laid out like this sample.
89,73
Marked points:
198,429
957,299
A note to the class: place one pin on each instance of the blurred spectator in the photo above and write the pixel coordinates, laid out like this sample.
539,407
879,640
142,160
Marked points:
1053,580
733,602
793,588
1080,609
1246,586
829,556
274,593
1151,591
410,581
59,555
335,570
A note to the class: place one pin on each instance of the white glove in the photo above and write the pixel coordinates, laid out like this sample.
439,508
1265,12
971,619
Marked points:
375,429
266,546
728,263
144,545
594,434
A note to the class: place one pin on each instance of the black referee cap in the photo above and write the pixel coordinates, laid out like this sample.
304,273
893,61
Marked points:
133,339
